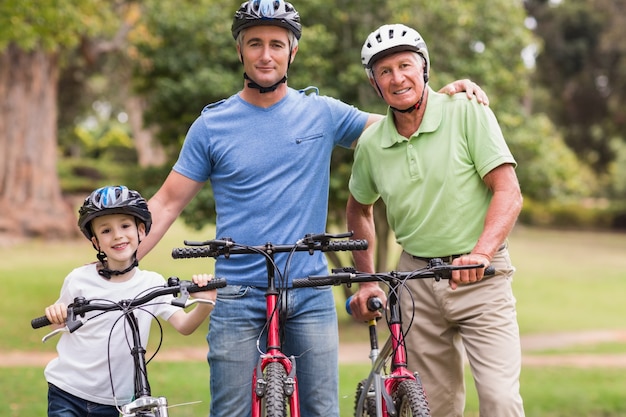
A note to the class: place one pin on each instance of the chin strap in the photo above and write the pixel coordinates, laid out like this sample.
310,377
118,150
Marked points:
253,84
108,273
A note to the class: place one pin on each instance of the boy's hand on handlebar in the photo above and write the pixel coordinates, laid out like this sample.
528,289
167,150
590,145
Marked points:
358,303
201,280
57,313
469,276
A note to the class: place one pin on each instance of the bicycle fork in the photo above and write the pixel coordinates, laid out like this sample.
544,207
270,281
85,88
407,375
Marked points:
144,401
274,378
378,384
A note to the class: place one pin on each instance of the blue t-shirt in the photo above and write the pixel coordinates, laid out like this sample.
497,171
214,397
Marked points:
269,169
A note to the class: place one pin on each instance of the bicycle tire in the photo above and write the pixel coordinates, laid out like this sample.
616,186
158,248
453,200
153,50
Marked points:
369,404
274,401
410,400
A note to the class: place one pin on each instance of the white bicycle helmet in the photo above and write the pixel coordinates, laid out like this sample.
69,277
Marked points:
389,39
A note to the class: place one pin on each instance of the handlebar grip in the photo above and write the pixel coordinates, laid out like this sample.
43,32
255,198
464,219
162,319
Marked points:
39,322
348,245
211,285
305,283
181,253
320,280
373,304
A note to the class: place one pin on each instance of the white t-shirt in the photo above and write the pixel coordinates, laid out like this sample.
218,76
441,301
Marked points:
81,368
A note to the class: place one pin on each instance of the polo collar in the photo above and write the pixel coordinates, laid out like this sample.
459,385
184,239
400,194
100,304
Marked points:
433,116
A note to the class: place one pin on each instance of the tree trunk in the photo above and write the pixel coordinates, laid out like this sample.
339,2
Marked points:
382,236
149,151
31,203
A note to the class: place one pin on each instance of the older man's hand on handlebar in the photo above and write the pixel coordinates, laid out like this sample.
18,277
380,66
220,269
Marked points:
358,303
469,276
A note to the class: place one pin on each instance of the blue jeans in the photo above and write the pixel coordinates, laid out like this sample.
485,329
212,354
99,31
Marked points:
63,404
311,335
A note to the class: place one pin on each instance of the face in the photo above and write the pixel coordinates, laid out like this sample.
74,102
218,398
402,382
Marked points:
118,236
400,79
265,53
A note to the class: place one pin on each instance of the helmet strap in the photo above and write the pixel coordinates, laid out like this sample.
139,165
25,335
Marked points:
414,107
263,90
108,273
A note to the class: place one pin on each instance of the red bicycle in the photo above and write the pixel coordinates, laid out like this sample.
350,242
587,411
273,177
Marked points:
390,389
274,383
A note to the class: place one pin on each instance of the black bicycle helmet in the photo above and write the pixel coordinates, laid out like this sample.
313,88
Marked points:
267,12
113,200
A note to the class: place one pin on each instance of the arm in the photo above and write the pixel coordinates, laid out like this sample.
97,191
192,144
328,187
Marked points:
166,205
360,219
502,214
187,322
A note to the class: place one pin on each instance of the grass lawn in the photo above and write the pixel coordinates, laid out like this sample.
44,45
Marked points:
565,281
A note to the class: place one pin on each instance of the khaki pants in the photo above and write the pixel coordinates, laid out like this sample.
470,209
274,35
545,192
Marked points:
480,317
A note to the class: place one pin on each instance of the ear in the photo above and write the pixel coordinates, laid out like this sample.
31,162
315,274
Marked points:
95,244
294,51
239,53
141,230
376,88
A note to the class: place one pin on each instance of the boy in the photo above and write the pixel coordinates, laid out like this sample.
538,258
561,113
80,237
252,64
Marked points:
115,219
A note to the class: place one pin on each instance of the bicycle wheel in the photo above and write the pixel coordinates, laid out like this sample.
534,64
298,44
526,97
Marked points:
410,400
369,404
274,400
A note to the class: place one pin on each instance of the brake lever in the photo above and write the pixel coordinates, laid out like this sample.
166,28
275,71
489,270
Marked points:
71,325
55,332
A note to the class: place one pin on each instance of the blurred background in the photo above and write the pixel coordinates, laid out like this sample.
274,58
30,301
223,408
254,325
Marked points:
97,92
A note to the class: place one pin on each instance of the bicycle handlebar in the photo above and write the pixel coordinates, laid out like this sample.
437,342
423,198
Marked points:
350,275
174,286
310,243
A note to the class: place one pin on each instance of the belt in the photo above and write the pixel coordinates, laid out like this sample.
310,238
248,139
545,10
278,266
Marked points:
448,259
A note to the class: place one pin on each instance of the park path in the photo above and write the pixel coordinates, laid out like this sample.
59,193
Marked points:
355,353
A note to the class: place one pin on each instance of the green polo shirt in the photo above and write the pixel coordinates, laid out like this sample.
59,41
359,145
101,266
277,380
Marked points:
432,183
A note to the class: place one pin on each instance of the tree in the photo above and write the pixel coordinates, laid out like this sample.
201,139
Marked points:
581,64
34,37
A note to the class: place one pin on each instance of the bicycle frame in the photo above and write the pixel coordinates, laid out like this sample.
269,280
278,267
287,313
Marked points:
272,385
144,404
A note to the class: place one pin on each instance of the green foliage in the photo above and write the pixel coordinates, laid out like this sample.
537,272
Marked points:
581,65
51,24
81,176
547,168
481,40
188,61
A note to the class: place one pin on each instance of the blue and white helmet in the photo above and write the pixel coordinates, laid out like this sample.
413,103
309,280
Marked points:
113,200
